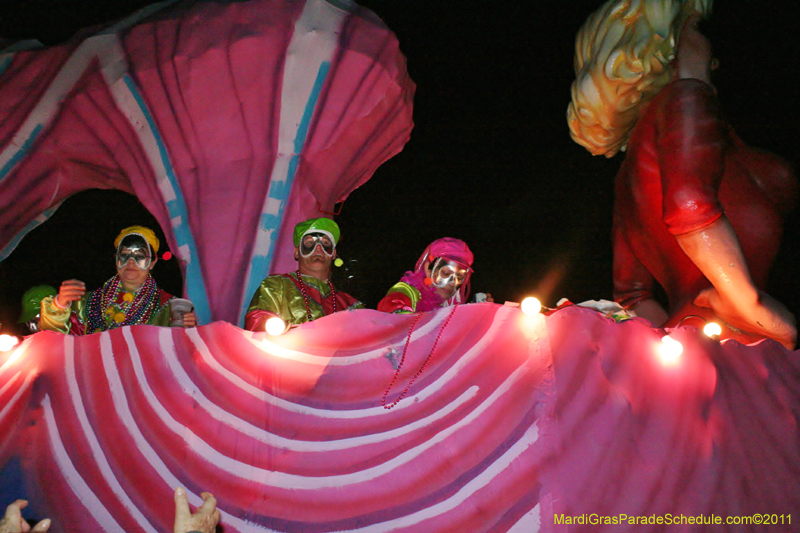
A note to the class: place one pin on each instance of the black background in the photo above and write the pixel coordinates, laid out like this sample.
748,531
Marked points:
490,160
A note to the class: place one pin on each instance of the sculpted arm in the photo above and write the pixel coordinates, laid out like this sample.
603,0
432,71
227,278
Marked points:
691,145
715,250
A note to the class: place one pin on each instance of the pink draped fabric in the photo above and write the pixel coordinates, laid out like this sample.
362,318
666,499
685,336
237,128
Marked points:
230,121
517,424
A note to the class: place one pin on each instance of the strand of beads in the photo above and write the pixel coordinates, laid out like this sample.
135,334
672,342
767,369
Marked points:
141,308
302,287
403,358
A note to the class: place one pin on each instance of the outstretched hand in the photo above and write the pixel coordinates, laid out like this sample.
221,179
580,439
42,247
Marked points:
70,291
765,316
13,522
206,518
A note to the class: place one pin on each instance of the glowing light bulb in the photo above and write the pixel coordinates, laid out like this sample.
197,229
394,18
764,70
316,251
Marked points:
275,326
670,350
7,342
712,329
530,305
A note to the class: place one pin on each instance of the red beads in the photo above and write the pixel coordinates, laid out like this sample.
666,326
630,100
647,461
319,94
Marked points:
403,358
302,287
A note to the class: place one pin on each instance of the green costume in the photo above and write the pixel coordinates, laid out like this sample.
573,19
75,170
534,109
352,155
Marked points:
281,295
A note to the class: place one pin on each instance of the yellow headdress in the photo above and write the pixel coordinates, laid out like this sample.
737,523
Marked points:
147,233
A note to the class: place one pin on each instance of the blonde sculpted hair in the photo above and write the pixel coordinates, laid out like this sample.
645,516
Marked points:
622,54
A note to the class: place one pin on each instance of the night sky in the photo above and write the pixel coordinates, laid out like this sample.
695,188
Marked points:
490,160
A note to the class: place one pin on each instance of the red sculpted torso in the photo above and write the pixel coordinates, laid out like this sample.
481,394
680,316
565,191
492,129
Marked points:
685,167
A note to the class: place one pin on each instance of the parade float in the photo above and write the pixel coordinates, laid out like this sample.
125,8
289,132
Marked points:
517,422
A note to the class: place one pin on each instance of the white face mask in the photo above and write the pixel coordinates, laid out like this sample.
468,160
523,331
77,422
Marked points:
311,240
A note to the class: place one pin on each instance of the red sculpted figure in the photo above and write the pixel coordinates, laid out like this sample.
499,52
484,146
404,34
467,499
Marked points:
696,210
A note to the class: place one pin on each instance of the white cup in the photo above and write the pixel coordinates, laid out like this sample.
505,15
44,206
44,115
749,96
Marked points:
178,308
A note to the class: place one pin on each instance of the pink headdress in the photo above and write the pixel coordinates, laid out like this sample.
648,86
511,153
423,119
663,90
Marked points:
454,250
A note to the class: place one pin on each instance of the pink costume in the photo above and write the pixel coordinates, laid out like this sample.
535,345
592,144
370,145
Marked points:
413,294
686,167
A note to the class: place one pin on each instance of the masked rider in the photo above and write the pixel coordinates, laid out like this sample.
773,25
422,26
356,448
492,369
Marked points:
308,293
129,298
439,279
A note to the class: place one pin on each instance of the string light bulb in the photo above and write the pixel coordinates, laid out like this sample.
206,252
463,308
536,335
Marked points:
530,306
275,326
712,329
7,342
670,350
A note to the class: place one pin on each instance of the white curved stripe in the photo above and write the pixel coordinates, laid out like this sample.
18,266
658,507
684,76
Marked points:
482,480
48,106
32,225
15,356
138,16
502,315
167,345
314,42
7,385
531,522
271,348
132,106
292,481
528,523
79,487
107,49
16,398
97,451
123,411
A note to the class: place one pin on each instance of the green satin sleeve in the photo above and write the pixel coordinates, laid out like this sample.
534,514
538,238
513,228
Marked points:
162,317
278,295
404,288
55,318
